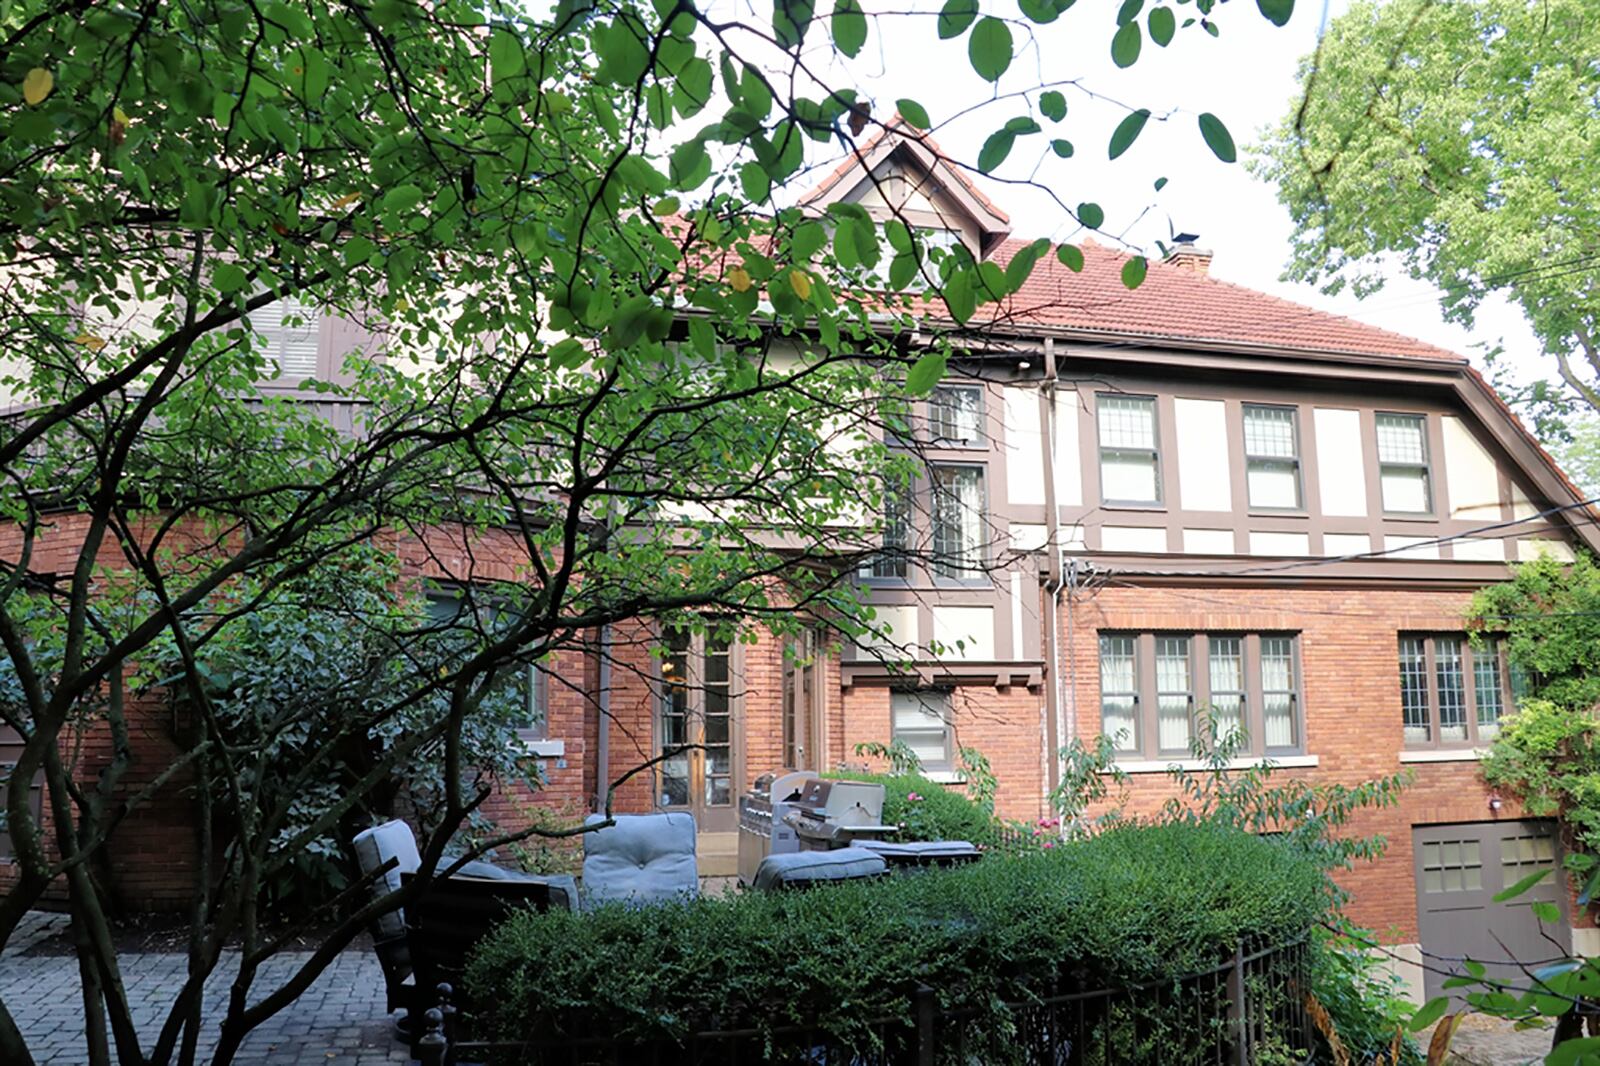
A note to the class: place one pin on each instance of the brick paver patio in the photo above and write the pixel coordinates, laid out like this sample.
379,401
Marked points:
339,1021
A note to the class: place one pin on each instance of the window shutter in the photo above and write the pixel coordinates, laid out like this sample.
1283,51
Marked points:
292,330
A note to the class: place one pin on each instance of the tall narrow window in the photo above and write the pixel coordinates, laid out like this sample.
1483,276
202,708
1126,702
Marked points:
1403,464
718,738
1174,693
1130,458
958,522
1486,687
675,733
955,416
1272,457
1414,689
922,723
1226,656
891,560
292,330
1278,693
1119,692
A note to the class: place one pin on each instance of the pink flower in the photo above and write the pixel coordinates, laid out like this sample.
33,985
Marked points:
1049,843
913,797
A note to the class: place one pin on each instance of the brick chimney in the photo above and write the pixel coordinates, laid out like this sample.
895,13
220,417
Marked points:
1188,255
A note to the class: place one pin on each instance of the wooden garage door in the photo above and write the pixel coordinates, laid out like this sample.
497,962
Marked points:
1459,869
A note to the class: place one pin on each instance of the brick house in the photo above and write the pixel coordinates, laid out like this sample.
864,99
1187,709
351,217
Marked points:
1139,504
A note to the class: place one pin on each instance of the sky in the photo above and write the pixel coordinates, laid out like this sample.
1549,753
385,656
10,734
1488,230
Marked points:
1246,76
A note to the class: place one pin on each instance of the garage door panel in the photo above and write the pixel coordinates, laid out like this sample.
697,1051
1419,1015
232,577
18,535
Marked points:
1459,869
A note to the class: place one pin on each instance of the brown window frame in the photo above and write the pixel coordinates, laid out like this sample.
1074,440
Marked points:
1293,460
1426,466
958,572
892,564
1155,450
1146,710
935,440
1469,684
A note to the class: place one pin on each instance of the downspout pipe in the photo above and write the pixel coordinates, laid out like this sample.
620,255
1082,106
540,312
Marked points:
602,738
1054,579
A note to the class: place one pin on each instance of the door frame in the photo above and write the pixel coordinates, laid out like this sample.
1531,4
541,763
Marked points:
803,728
707,818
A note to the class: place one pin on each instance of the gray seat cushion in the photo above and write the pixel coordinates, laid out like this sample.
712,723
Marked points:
922,852
812,867
376,846
644,858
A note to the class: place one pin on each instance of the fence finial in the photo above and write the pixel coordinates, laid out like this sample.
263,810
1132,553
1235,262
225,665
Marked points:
432,1047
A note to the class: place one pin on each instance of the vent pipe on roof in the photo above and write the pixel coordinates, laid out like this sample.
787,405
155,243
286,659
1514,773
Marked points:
1187,254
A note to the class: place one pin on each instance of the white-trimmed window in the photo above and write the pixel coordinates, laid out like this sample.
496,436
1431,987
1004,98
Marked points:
1130,457
1272,457
1403,463
958,517
955,416
292,330
922,723
1154,685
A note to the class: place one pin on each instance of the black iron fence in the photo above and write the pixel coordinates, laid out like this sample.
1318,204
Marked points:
1249,1010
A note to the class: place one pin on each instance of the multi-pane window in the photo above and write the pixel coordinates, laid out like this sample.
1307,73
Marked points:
1272,457
1130,457
695,730
958,522
1119,691
1452,866
1152,686
935,245
1453,693
955,416
922,723
1403,464
891,560
467,619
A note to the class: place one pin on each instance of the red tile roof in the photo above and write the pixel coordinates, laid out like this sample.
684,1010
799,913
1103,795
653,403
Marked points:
1176,303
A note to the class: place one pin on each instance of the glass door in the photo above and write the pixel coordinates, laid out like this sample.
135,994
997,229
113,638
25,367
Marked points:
696,732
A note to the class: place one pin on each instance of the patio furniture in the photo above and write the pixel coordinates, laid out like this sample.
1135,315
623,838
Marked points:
921,854
643,858
393,843
799,869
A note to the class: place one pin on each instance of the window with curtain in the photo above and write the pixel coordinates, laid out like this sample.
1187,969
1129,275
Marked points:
922,723
1453,693
1272,457
1154,686
1403,464
955,416
958,522
1130,457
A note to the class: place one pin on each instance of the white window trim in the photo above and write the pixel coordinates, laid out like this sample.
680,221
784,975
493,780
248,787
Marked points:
541,749
1443,754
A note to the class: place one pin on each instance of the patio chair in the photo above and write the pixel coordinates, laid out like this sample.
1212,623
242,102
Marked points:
394,841
644,858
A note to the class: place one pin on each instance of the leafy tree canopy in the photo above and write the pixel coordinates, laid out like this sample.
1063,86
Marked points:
1458,140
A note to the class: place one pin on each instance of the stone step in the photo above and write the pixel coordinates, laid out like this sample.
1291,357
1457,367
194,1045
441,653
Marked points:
717,854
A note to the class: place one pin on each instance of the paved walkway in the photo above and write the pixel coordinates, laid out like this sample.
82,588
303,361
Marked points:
339,1021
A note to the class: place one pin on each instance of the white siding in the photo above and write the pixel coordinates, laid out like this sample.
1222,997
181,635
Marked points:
1208,541
1471,474
901,621
1133,539
1271,542
1202,430
1069,472
1346,544
1480,549
1024,446
1341,466
973,626
1401,548
1531,548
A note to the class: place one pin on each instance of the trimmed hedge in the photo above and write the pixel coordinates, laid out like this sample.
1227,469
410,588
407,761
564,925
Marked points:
1130,905
936,814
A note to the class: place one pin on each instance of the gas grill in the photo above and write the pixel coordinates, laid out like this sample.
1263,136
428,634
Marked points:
763,830
835,814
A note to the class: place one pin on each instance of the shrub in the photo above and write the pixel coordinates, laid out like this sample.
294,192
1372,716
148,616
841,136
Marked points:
1134,904
1365,1001
927,810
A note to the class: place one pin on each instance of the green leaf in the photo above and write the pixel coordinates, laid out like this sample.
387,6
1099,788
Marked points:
1042,12
1133,271
1573,1052
753,181
902,270
1545,911
955,17
1125,45
401,199
1430,1012
1218,139
914,113
1129,11
1053,106
1277,12
229,277
1021,265
808,239
690,165
925,373
1161,183
1162,26
623,56
989,48
505,55
995,150
790,21
899,235
567,353
1091,215
959,296
357,250
1071,257
1521,886
849,27
1127,132
1061,147
693,87
1022,125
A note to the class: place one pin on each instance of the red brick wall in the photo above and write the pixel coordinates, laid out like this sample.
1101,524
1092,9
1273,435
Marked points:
1350,694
